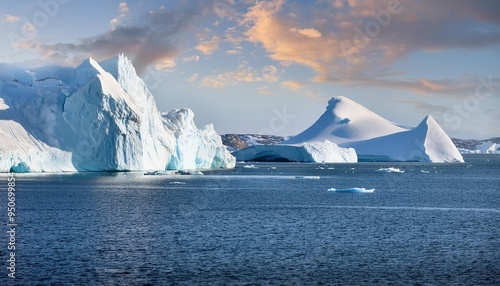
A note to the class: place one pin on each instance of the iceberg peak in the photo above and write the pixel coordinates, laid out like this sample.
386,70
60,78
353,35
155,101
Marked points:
87,70
118,65
346,120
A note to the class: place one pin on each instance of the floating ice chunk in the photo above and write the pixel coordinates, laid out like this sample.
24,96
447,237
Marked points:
250,167
177,183
424,171
352,190
389,170
190,172
160,173
308,177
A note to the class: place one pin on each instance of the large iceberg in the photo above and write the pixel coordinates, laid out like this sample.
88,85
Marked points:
96,117
351,125
347,125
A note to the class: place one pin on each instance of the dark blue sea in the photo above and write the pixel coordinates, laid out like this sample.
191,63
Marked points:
275,224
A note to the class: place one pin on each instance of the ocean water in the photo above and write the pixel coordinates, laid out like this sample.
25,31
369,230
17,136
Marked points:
275,224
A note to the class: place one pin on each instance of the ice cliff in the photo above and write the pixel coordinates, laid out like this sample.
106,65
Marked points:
96,117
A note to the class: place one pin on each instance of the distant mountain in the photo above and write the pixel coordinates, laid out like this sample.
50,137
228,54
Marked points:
351,125
465,146
486,146
241,141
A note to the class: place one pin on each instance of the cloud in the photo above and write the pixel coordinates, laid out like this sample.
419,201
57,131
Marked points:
351,42
194,58
232,52
451,88
166,65
123,10
241,75
208,47
279,37
293,85
425,107
192,78
263,90
233,35
357,42
154,38
123,7
310,32
11,18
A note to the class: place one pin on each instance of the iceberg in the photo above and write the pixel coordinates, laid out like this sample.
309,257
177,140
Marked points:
319,152
389,170
308,177
351,125
352,190
96,117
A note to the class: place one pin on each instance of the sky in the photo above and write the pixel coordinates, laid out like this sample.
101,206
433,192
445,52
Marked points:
270,67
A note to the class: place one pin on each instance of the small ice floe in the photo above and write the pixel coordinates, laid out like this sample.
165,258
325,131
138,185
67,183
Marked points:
159,173
331,168
352,190
389,170
308,177
320,168
177,183
273,168
190,172
250,167
424,171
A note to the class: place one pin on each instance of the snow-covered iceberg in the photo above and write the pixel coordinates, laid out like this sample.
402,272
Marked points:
351,125
320,152
352,190
390,170
96,117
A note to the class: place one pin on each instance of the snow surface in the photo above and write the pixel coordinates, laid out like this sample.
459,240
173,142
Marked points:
320,152
350,125
345,121
56,119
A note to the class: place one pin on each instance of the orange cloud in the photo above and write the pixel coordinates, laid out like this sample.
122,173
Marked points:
242,74
360,40
208,47
286,43
310,32
294,85
11,18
